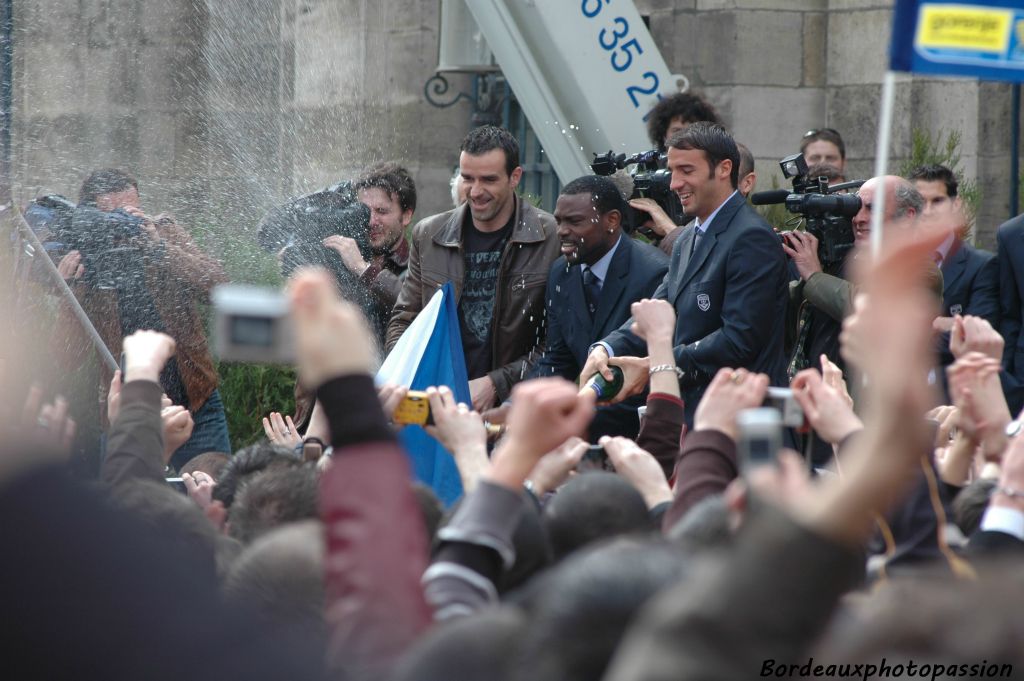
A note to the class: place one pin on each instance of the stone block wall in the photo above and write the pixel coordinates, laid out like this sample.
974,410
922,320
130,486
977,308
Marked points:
223,107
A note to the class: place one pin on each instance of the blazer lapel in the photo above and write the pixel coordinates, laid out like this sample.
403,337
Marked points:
708,241
954,267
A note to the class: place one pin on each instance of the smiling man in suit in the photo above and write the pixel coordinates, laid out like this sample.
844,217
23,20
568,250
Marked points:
590,288
970,276
727,278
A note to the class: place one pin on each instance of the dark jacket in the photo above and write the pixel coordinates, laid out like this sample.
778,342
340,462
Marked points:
1010,255
730,300
635,271
178,275
517,327
970,286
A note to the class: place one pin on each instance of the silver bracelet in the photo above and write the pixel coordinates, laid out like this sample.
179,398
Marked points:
665,367
1010,492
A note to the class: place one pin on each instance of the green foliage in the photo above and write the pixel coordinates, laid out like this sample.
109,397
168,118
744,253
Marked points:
777,216
249,391
926,150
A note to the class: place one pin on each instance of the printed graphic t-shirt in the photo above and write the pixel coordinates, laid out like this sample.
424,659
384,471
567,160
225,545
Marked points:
482,252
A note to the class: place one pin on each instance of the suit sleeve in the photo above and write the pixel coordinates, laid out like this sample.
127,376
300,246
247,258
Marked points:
1009,300
624,342
410,298
755,266
984,301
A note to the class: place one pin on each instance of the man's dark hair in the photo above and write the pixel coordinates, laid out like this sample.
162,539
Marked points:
105,181
247,462
211,463
394,179
824,135
746,160
825,170
272,498
716,143
605,194
970,503
431,508
480,647
705,527
593,506
936,173
583,608
278,579
172,517
488,137
688,106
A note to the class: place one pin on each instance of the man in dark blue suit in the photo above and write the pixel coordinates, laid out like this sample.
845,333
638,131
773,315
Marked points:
727,278
590,288
1010,254
970,276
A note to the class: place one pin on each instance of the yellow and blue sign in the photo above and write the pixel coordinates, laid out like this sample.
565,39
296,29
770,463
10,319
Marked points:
959,38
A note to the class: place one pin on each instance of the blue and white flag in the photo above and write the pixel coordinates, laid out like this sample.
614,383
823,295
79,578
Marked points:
974,38
430,353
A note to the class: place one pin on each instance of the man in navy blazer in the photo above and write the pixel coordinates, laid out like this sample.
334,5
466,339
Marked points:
970,276
727,278
1010,254
618,270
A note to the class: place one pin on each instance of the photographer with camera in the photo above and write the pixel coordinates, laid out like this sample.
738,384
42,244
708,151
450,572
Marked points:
131,271
389,192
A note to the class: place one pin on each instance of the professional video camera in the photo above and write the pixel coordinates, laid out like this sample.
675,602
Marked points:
109,241
296,229
828,214
651,180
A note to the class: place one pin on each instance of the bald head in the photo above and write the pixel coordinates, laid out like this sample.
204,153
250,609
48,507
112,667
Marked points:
902,202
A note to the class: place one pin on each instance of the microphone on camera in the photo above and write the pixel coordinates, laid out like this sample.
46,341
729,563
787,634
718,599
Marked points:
769,197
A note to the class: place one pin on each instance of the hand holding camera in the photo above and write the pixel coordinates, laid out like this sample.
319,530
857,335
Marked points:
730,392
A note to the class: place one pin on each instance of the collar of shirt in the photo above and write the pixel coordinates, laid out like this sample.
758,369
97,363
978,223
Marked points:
600,268
943,249
703,226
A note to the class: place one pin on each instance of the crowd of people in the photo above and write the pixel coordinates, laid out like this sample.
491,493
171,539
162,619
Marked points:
608,533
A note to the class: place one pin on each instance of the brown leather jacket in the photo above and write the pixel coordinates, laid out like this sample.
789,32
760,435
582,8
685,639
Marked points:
517,328
178,275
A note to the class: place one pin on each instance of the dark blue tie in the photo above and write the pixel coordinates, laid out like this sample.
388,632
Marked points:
697,235
591,290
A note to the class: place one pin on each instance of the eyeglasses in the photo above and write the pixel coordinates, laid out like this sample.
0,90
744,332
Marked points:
818,131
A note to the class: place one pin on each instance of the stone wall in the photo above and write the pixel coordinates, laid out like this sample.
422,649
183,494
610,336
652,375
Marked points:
223,107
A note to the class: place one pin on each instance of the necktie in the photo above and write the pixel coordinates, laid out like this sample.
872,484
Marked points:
591,290
697,236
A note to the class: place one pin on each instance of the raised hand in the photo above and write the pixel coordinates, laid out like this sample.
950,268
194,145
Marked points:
281,430
639,467
730,392
145,354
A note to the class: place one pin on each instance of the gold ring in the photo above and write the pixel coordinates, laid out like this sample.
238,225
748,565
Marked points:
735,377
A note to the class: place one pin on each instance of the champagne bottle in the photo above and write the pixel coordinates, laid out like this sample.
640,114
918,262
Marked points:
604,388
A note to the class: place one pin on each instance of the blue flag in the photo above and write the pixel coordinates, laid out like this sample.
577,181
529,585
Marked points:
429,353
959,38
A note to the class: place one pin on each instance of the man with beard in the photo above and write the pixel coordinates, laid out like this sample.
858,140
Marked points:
388,191
497,250
591,287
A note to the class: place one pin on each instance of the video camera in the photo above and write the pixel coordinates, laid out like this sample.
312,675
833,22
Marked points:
651,180
828,214
297,228
109,241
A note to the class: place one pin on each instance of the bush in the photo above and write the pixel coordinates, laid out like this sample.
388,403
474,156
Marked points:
249,391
